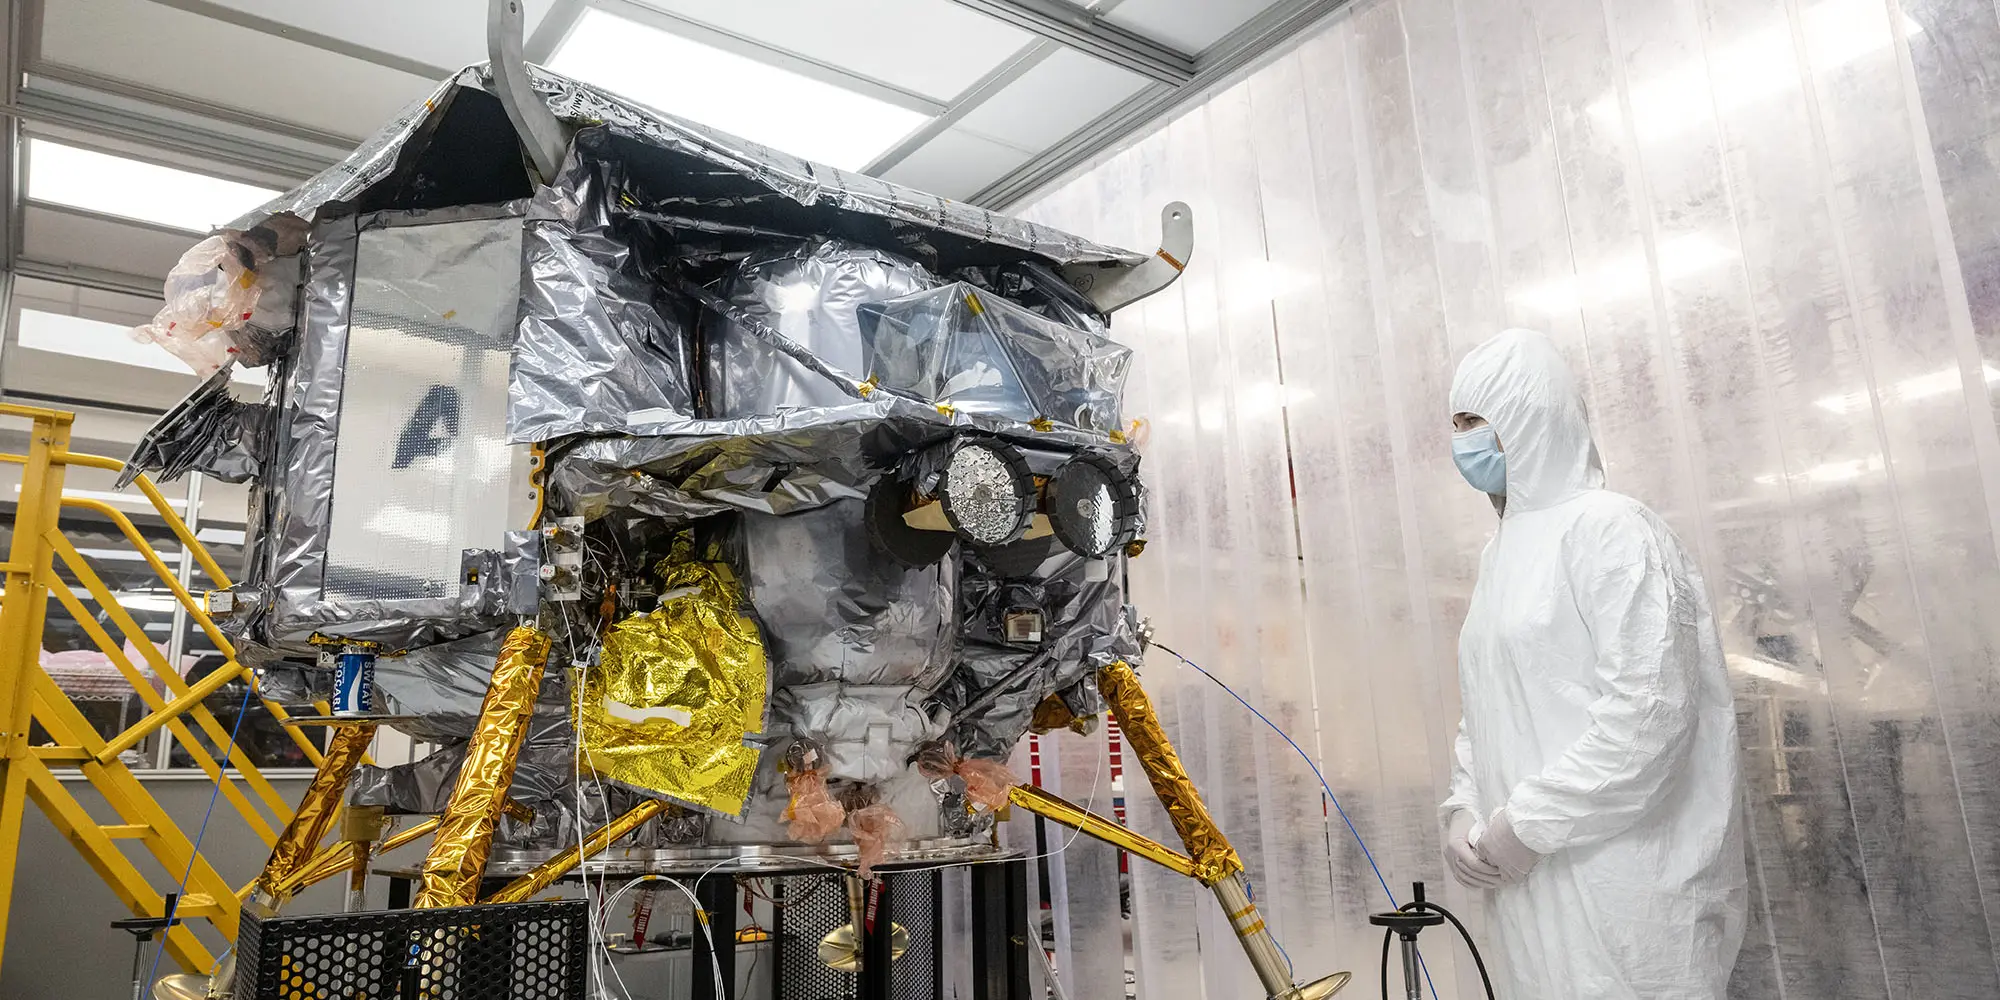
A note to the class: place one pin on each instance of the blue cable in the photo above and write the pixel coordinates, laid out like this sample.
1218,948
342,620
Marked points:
1335,799
194,853
1252,891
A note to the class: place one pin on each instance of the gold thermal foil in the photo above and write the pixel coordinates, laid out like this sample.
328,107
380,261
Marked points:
1213,857
677,690
1051,714
314,817
340,857
1084,821
465,828
545,874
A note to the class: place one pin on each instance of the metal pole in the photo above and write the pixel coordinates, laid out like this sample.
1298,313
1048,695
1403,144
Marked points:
177,640
717,895
22,615
1234,895
1413,980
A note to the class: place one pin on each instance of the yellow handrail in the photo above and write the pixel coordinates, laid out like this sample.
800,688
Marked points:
145,727
29,697
265,829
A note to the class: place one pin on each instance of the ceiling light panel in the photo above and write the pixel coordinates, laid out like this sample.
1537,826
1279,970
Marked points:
133,189
734,93
931,47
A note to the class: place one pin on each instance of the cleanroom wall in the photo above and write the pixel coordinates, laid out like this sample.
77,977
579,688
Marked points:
1765,233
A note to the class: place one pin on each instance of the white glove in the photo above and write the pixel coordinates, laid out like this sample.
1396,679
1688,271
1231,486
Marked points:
1462,859
1502,851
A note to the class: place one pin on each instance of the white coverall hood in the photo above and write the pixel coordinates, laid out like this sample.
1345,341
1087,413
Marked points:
1597,713
1518,382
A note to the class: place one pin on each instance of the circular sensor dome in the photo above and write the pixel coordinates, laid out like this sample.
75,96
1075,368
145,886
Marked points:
988,492
1092,505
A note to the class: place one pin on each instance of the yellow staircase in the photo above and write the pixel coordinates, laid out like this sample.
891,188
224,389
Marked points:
27,695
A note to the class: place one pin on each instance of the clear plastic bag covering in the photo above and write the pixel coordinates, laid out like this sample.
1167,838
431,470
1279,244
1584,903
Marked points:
816,190
394,445
981,353
906,791
810,294
597,343
210,432
210,292
856,641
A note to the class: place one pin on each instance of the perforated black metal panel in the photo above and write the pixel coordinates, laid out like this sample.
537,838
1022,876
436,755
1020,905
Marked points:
914,902
814,905
523,951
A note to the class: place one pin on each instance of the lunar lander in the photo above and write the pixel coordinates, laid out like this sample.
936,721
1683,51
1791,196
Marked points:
778,502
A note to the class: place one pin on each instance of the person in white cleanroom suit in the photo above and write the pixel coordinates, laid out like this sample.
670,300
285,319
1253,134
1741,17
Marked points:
1594,786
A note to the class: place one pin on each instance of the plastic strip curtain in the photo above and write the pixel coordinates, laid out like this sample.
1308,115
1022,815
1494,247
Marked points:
1759,229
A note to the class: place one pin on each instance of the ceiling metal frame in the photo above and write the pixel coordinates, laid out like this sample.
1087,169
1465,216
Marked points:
553,30
1230,56
17,20
172,134
327,43
97,278
1087,32
173,123
95,84
982,90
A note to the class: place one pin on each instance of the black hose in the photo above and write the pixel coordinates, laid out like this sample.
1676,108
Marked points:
1421,904
1388,934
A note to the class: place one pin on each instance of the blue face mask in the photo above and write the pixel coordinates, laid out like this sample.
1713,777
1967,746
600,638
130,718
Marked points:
1480,459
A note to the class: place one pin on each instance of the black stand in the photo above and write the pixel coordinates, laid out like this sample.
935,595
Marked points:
1407,924
142,930
1000,931
717,895
877,977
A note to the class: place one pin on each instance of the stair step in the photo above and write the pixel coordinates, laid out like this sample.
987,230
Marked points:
126,831
198,904
55,755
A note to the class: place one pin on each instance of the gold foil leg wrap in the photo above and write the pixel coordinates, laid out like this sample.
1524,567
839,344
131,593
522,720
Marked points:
1077,818
340,857
465,829
1214,858
677,691
300,839
545,874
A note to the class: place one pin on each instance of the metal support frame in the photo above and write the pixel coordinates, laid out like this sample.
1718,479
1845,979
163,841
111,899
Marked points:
717,896
29,698
549,872
1213,861
1112,287
541,133
1000,939
876,979
1235,52
1085,32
